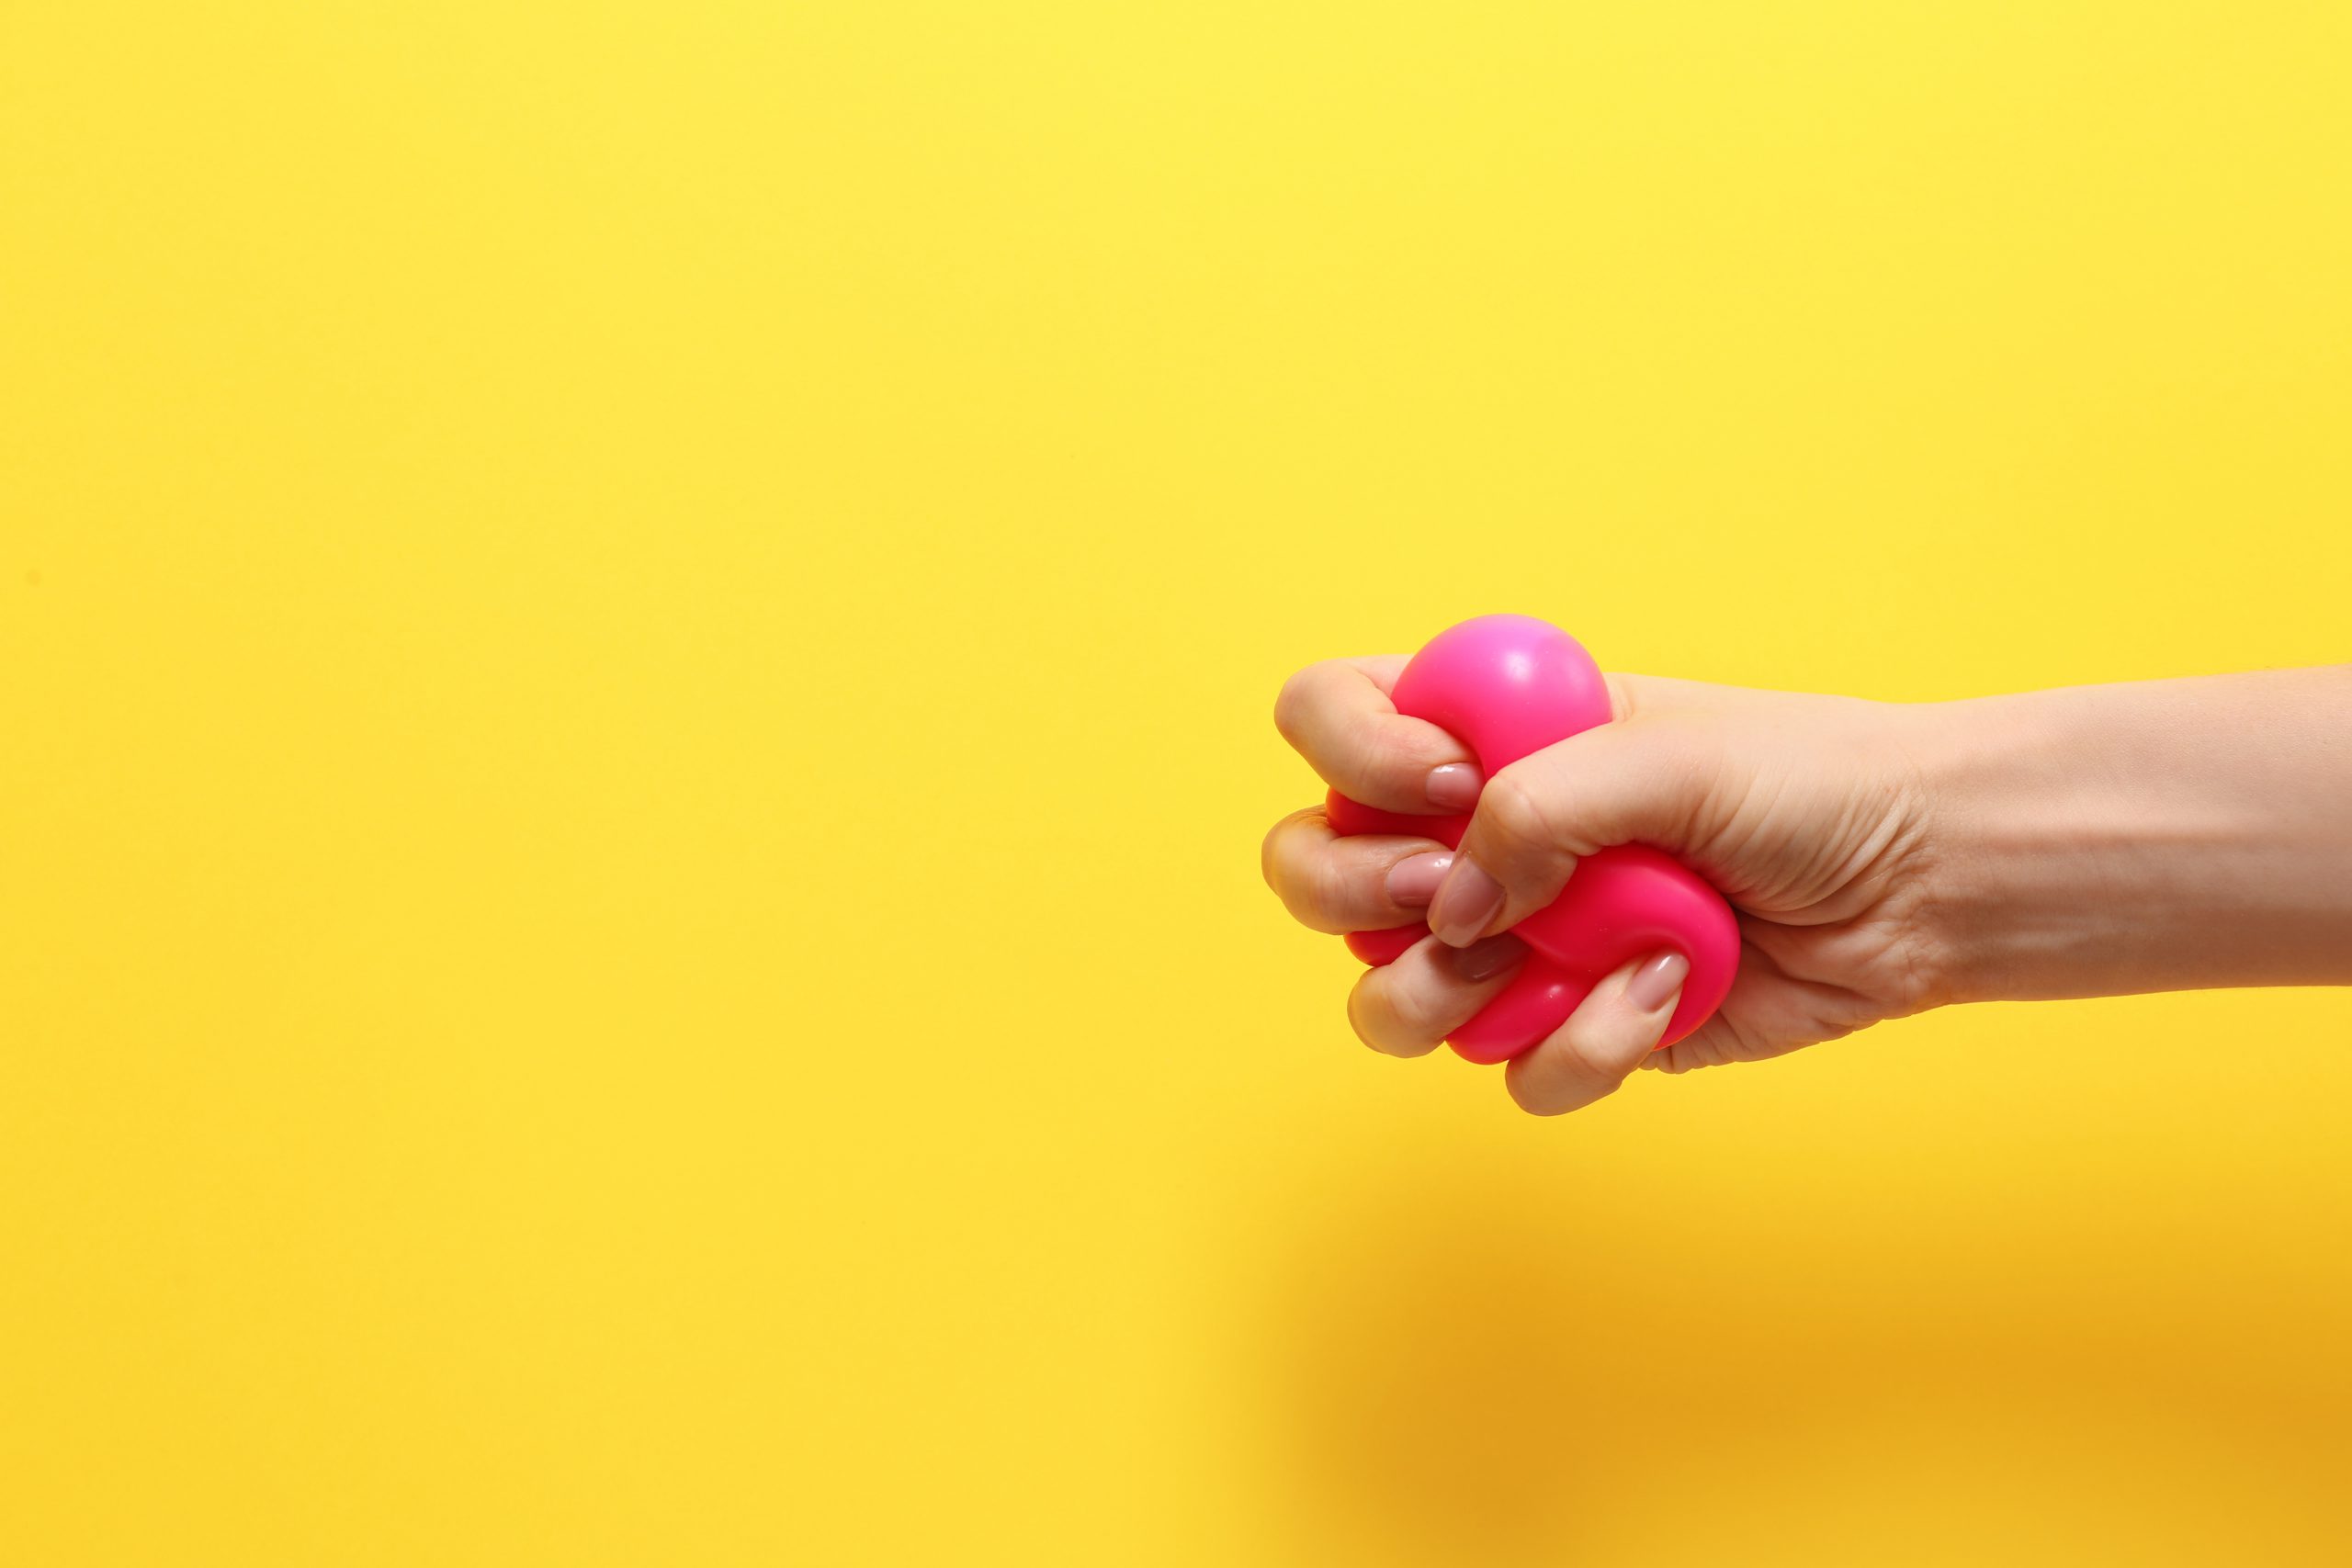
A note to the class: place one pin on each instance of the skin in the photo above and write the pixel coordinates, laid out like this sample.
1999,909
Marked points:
1882,859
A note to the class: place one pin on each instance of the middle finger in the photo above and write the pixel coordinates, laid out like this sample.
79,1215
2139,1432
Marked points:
1360,882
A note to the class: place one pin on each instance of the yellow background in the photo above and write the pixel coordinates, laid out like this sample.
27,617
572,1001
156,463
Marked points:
634,655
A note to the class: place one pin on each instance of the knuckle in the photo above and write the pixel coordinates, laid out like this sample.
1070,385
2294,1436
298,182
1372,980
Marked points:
1362,757
1419,1014
1367,1011
1513,812
1269,852
1327,891
1389,750
1295,704
1295,871
1288,704
1394,1016
1531,1094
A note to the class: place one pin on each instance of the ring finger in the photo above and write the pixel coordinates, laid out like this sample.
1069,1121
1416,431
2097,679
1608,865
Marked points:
1408,1008
1364,882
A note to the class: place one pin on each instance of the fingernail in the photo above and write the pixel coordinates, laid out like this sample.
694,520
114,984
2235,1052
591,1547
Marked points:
1454,786
1413,881
1657,983
1484,960
1465,903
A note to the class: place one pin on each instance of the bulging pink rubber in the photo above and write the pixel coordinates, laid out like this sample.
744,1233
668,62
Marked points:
1506,686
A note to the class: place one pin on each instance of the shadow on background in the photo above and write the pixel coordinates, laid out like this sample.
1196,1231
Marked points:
1491,1366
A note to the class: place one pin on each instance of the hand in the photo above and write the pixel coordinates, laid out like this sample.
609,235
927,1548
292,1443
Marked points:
1807,812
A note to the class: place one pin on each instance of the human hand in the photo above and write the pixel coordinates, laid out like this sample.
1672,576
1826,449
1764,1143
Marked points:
1807,812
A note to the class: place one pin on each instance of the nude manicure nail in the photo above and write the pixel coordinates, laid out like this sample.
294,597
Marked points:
1658,982
1484,960
1465,903
1454,786
1413,881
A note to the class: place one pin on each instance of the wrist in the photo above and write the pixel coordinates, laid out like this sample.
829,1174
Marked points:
2015,852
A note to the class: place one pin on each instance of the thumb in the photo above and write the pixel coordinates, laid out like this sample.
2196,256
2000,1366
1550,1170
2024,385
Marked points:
1639,780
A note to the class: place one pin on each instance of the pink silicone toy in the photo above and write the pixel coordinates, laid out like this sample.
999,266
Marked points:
1505,687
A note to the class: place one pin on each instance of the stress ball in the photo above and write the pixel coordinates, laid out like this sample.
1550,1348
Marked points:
1506,686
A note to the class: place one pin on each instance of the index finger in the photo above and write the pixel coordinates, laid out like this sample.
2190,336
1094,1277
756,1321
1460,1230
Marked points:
1337,714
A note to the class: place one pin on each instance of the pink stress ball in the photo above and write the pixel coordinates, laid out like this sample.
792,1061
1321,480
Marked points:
1505,687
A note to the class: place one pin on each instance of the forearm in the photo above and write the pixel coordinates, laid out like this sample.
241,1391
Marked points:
2160,836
